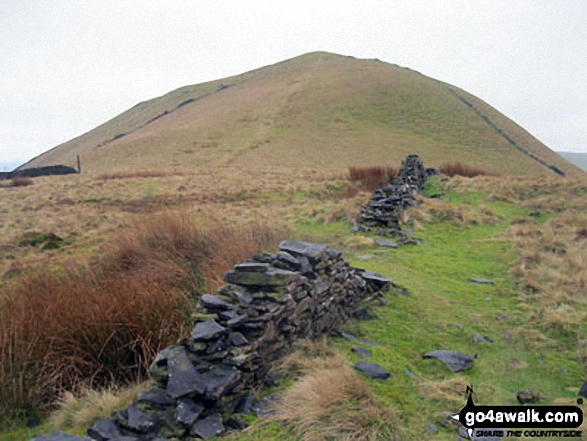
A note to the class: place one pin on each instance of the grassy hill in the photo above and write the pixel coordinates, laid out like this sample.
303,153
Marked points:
319,110
579,159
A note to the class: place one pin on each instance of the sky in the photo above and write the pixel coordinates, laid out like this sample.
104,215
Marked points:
67,66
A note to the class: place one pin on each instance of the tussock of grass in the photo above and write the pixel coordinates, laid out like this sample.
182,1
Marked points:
78,412
331,401
18,182
450,391
373,177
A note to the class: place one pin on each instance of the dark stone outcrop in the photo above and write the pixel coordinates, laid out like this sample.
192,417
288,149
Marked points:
372,370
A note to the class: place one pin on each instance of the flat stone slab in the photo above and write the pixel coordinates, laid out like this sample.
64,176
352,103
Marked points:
377,281
482,281
208,427
372,370
454,361
208,330
386,243
272,277
299,248
213,302
61,436
253,267
156,396
478,338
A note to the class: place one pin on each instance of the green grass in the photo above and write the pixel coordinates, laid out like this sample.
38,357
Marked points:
436,276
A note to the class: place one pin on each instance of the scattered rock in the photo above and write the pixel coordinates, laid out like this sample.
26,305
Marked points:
583,390
410,374
528,396
385,243
366,257
454,361
502,317
376,281
401,291
139,421
344,334
263,408
478,338
431,429
364,314
272,381
361,352
372,370
482,281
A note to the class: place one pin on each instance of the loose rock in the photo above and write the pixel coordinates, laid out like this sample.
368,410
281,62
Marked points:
454,361
372,370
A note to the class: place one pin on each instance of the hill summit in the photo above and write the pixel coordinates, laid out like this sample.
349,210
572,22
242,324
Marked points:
318,110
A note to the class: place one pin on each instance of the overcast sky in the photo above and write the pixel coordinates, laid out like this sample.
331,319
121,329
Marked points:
67,66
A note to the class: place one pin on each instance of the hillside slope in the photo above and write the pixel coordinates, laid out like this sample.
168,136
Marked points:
318,110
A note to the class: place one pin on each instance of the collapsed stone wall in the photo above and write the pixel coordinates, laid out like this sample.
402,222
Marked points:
384,210
201,384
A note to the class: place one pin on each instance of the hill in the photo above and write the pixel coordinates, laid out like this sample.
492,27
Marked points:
579,159
318,110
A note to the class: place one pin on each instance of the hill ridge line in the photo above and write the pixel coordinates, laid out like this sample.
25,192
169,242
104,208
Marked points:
501,133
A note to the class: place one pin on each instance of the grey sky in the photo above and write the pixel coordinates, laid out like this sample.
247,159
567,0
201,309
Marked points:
66,66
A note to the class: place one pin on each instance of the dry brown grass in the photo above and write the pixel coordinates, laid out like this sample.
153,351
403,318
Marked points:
371,178
78,412
17,182
137,174
460,169
459,214
331,401
93,324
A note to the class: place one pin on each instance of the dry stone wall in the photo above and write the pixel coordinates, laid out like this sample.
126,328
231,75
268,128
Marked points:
383,212
202,384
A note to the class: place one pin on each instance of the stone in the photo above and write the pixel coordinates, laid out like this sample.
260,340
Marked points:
528,396
385,243
208,427
184,378
237,339
237,322
219,380
380,251
431,428
310,250
346,335
139,421
156,396
272,381
272,277
366,257
401,291
208,330
252,267
364,314
60,436
372,370
187,411
361,352
502,317
410,374
263,408
454,361
478,338
482,281
376,281
245,405
104,429
213,302
583,390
